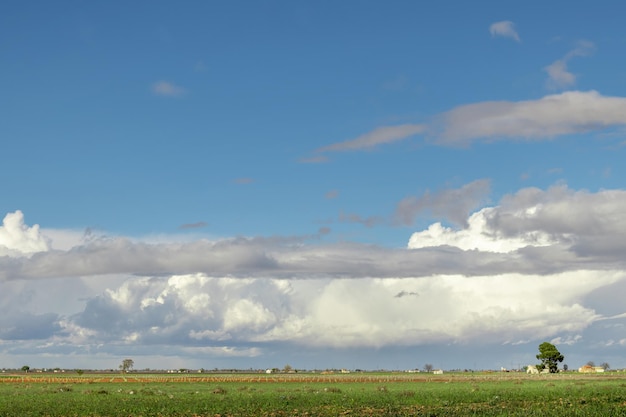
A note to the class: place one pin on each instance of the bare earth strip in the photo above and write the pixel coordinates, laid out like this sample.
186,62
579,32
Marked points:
296,378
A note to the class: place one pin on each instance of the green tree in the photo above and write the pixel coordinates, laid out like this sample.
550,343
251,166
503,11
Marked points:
25,368
605,366
127,365
549,356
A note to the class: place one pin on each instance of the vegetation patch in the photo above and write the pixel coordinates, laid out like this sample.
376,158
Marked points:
463,394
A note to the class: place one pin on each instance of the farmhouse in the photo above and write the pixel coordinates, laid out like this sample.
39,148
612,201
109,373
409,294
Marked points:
590,369
532,369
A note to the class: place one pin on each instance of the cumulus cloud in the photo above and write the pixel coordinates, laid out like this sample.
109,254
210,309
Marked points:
198,315
379,136
199,310
17,239
474,238
588,224
167,89
185,309
504,28
570,112
558,73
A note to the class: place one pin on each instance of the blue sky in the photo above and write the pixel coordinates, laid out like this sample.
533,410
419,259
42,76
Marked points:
243,184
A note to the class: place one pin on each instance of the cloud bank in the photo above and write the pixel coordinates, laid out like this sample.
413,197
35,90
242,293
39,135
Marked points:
518,271
536,231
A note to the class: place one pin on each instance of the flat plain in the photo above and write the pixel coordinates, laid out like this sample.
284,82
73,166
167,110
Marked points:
313,394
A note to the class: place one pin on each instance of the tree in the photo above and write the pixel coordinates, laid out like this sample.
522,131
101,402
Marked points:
428,367
549,356
605,366
25,368
591,363
127,365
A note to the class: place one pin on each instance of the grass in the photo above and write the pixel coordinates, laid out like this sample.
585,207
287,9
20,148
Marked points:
314,395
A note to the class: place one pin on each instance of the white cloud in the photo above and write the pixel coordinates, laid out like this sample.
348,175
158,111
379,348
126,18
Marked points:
569,340
558,74
248,315
553,115
477,236
185,308
167,89
343,312
570,112
504,28
586,223
17,239
379,136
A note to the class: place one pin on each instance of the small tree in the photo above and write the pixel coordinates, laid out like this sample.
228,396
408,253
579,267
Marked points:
605,366
25,368
287,368
127,365
591,363
549,356
428,367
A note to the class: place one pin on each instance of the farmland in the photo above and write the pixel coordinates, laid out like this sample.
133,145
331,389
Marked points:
308,394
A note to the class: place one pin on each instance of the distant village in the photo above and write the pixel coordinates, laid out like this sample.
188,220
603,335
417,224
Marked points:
529,369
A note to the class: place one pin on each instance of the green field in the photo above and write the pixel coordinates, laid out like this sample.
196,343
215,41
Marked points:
370,394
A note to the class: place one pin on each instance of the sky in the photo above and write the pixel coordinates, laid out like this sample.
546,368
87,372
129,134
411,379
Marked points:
323,184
